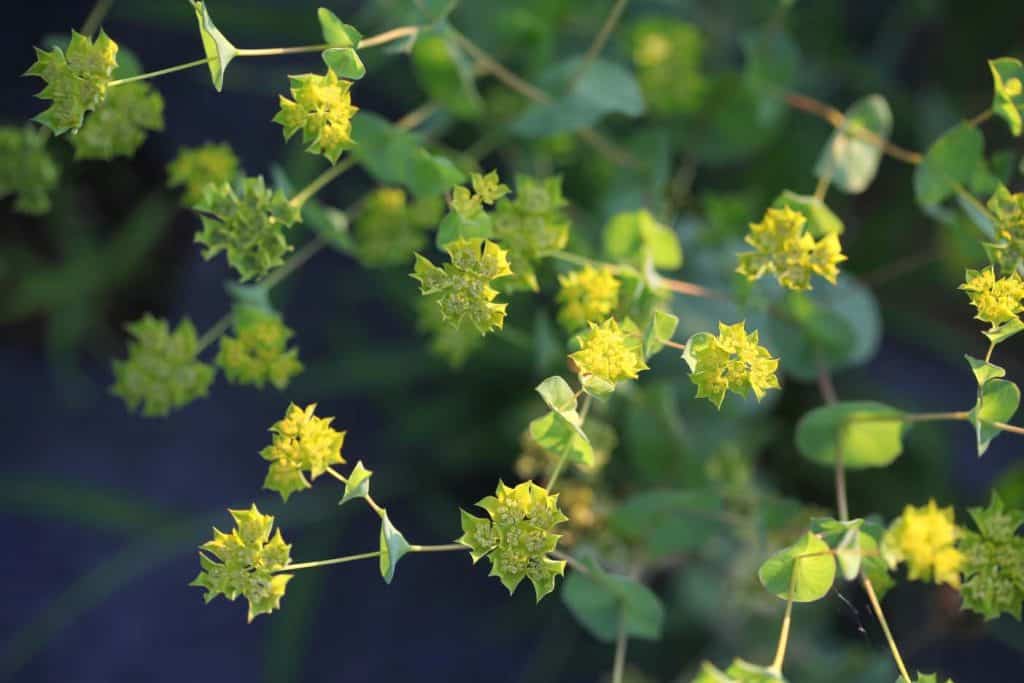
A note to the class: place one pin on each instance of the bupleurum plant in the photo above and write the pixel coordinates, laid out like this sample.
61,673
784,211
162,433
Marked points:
505,252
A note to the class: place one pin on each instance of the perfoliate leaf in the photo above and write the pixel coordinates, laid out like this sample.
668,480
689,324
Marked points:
997,402
948,164
984,371
864,433
456,226
926,678
358,483
660,330
336,32
218,49
562,438
740,671
557,394
393,547
1001,333
599,600
851,162
345,62
1008,92
637,236
804,570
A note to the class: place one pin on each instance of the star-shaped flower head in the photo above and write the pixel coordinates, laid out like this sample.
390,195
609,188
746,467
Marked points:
246,563
196,167
587,295
162,372
610,353
247,222
302,444
258,353
517,535
389,229
785,248
322,109
26,169
733,361
1007,252
120,123
993,561
76,81
462,286
997,300
925,538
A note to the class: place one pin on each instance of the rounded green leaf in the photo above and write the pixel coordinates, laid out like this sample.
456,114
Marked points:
345,62
636,235
358,483
997,402
446,75
949,163
336,32
1007,92
866,433
218,49
598,601
393,547
807,568
851,162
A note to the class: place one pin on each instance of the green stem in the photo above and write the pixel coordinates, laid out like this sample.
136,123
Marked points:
324,563
446,548
162,72
877,607
321,181
1008,427
214,332
96,16
559,466
981,118
294,262
619,663
587,401
780,649
274,51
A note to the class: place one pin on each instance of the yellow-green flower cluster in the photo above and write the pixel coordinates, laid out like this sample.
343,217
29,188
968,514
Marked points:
246,222
993,566
925,539
517,536
246,563
732,361
76,81
784,248
390,230
462,287
610,352
322,110
997,300
302,444
487,189
120,123
1007,251
26,169
667,57
587,295
258,353
161,372
533,225
196,167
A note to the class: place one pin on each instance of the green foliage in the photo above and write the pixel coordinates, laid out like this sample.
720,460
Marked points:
993,564
998,400
446,75
739,671
532,226
219,50
926,678
1007,251
258,353
803,572
560,431
390,230
848,161
462,287
303,444
27,170
336,32
322,109
193,168
162,371
357,484
863,433
667,56
667,523
246,221
601,601
637,236
948,164
393,547
246,563
518,536
732,361
76,80
784,248
1008,92
120,123
454,344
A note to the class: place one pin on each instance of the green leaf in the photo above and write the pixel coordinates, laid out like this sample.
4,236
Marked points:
845,538
949,163
345,62
851,162
1008,92
997,402
557,394
806,568
560,437
455,226
1005,331
336,32
596,386
984,371
669,522
821,220
605,88
444,72
393,547
635,236
660,330
740,671
218,49
866,433
358,483
771,65
598,601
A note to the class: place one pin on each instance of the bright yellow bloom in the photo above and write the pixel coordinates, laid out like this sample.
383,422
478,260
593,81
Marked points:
925,538
998,300
587,295
733,361
610,352
322,110
783,247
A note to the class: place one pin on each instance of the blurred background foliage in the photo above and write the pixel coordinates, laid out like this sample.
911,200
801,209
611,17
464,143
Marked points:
106,508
